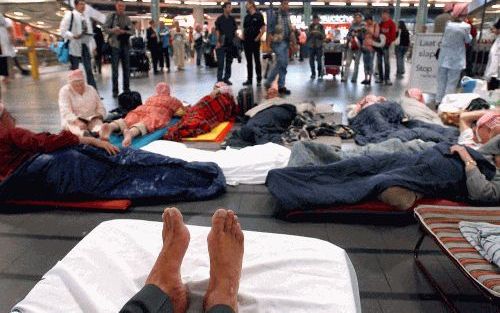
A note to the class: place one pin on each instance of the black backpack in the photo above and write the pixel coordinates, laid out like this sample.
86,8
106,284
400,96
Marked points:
245,100
127,101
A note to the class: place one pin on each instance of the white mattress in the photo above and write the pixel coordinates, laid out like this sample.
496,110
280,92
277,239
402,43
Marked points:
281,273
249,165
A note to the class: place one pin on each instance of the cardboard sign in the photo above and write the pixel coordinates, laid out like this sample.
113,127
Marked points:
424,65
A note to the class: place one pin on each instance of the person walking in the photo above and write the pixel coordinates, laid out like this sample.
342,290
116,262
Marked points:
253,29
402,48
119,28
370,34
388,29
354,39
179,45
315,40
225,49
164,34
279,33
198,43
77,28
451,57
153,45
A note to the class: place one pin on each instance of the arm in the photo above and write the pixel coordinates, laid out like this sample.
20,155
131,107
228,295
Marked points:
99,105
64,27
467,118
108,25
65,108
44,142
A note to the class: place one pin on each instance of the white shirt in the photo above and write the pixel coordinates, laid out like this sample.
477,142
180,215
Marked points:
493,67
8,48
75,45
466,138
73,105
452,53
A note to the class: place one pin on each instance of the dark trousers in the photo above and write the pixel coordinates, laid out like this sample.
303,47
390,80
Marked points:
98,60
252,52
199,53
224,61
86,59
164,57
155,56
383,64
121,54
316,56
152,299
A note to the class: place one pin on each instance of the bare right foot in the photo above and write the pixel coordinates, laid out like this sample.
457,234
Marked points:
127,138
225,247
105,132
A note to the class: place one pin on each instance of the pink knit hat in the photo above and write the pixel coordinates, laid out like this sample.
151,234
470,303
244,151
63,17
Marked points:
448,7
76,75
489,120
163,89
460,9
416,94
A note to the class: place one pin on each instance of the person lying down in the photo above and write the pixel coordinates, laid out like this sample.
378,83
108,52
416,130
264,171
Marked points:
154,114
68,167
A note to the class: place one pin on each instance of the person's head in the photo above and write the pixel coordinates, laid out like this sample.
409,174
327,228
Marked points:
487,127
460,11
161,24
402,25
198,28
284,5
227,8
77,81
251,7
496,28
120,7
80,5
162,89
358,18
6,119
175,24
152,23
386,15
315,19
368,19
448,7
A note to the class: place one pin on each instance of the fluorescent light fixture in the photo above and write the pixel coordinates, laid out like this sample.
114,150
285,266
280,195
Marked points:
192,2
234,3
172,1
267,3
404,5
439,5
496,6
40,23
359,4
18,13
295,3
146,0
380,4
130,0
276,3
210,3
338,4
317,3
493,12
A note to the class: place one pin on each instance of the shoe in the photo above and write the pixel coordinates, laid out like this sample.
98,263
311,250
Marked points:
313,76
259,82
228,82
388,83
364,82
247,83
284,91
320,77
353,81
343,80
378,81
168,70
115,94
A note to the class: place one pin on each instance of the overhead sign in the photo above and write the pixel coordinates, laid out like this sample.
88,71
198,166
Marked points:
424,65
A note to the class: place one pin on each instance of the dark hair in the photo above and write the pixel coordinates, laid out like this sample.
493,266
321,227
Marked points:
402,25
315,16
78,1
386,11
151,22
497,24
368,17
225,4
358,14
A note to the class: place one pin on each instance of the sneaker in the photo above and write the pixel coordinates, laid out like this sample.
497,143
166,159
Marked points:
313,76
343,80
259,82
228,82
247,83
115,94
388,83
284,91
320,77
378,81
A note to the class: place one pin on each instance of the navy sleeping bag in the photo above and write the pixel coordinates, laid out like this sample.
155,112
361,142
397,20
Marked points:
384,120
434,172
85,172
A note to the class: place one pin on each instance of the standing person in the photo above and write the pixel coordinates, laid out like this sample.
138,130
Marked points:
451,58
279,33
442,19
198,43
153,45
253,29
402,48
226,32
119,28
388,28
99,45
77,28
164,34
315,40
179,45
492,71
354,39
370,33
6,44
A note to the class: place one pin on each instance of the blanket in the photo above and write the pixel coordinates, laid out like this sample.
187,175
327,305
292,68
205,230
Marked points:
384,120
248,165
141,141
306,153
87,173
485,237
201,118
434,172
266,126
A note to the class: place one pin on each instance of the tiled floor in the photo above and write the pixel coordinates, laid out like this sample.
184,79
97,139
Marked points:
31,242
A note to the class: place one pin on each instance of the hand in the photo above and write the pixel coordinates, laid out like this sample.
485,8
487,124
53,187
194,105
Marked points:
218,45
110,149
461,151
117,31
77,37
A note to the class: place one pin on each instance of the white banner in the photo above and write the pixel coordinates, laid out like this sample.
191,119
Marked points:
424,65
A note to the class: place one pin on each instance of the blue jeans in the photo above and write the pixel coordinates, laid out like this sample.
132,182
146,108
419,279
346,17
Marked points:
199,53
400,59
281,50
121,54
224,57
368,61
350,56
316,54
86,59
384,65
447,82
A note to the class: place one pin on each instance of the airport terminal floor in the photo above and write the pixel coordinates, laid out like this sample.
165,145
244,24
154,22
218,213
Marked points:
33,241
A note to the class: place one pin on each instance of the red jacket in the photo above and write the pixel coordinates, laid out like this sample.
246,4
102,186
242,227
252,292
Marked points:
17,145
388,28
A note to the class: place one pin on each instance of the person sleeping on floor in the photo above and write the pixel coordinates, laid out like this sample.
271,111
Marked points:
68,167
154,114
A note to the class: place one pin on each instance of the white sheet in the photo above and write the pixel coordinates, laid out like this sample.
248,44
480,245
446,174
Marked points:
249,165
281,273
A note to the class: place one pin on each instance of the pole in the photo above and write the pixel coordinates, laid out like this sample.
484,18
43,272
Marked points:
30,44
243,13
155,10
421,16
307,13
479,40
397,11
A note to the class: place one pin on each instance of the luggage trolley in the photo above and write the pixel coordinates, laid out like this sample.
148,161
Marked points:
139,61
333,58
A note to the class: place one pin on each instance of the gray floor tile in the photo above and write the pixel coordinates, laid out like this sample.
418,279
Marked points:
12,291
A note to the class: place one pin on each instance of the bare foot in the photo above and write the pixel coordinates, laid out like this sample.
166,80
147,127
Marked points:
166,273
225,247
127,138
105,132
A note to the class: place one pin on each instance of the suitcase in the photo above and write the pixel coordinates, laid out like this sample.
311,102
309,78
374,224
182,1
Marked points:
245,100
139,61
138,43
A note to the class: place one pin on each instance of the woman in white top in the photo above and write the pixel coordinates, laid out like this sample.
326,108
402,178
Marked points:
6,44
77,28
81,109
179,41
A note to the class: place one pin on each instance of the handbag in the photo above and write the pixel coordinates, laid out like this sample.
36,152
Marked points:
63,53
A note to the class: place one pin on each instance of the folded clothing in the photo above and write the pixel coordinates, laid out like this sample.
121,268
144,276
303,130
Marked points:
485,237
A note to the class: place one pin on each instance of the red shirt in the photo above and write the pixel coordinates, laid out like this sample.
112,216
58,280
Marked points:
17,145
388,28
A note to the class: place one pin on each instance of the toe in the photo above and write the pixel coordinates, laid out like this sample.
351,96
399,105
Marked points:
218,220
229,221
234,226
239,232
176,218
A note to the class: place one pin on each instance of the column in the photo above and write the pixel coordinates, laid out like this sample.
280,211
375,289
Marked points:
155,10
397,11
421,16
198,14
307,13
243,13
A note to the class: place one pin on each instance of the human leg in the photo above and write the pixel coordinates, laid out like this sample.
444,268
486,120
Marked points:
115,60
87,65
78,128
312,60
74,62
166,54
221,57
125,58
229,62
357,60
442,78
155,59
319,61
132,132
248,56
282,63
95,125
349,55
452,80
380,69
258,67
387,66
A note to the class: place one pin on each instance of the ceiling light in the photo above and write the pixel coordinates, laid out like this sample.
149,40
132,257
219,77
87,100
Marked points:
359,4
380,4
18,13
276,3
172,1
211,3
496,6
493,12
40,23
317,3
404,4
295,3
439,5
338,4
130,0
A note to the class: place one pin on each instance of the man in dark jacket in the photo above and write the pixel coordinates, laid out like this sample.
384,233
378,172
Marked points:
225,26
253,29
153,45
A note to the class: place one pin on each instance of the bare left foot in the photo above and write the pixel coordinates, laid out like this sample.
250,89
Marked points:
127,138
105,132
166,273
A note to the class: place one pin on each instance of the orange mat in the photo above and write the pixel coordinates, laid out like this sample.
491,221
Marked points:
104,205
